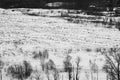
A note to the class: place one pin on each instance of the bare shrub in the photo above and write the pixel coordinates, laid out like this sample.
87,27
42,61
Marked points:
1,64
98,50
101,50
64,14
42,56
56,75
87,75
36,75
117,25
21,71
45,54
69,51
88,50
50,65
50,68
112,66
37,55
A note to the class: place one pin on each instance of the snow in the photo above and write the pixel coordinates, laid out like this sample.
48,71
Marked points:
21,35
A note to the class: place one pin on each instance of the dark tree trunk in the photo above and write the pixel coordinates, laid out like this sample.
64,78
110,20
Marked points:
118,71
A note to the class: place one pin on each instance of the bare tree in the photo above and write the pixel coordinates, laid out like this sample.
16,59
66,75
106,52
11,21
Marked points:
78,68
1,67
74,76
112,66
91,69
68,66
94,69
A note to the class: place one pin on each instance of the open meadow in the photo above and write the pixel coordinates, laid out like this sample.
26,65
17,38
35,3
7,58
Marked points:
44,40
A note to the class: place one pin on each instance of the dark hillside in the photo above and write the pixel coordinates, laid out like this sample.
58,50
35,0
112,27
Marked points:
42,3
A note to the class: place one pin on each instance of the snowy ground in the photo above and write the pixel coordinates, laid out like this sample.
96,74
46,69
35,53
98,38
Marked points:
22,34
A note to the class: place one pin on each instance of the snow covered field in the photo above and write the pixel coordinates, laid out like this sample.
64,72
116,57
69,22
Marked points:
22,34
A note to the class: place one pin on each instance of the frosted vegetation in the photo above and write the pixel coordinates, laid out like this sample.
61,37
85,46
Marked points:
41,44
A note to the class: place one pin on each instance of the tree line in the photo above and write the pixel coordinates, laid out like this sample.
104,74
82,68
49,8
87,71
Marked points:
41,3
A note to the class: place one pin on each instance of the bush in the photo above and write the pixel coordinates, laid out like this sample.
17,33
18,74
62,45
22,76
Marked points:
50,65
20,71
117,25
88,50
